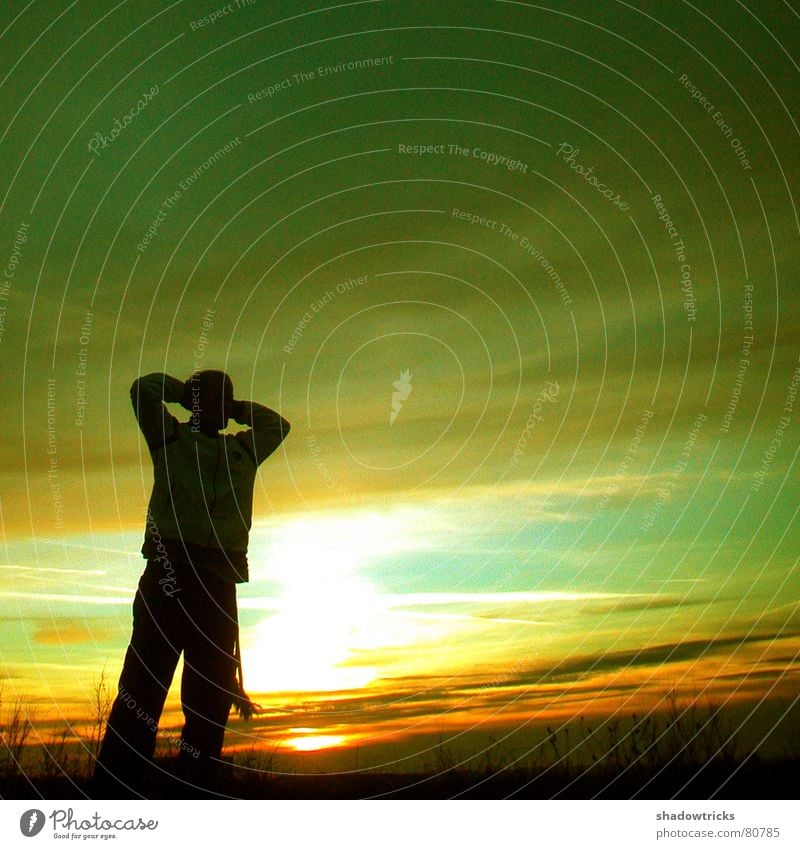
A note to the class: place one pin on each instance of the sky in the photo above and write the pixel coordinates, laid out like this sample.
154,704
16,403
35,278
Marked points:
524,280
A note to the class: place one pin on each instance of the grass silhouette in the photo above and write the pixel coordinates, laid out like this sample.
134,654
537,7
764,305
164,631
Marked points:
677,748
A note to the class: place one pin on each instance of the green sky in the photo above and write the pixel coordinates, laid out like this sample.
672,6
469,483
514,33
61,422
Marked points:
590,278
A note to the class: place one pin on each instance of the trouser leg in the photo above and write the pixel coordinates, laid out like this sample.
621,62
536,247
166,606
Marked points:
147,672
209,675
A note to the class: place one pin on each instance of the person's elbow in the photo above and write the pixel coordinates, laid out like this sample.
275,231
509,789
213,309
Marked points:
148,389
278,434
136,388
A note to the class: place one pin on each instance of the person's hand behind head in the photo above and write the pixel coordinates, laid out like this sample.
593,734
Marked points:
186,398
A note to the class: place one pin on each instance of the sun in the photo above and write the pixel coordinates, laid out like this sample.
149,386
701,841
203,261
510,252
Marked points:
312,742
326,610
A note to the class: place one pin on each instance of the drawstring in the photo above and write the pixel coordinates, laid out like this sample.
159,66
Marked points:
245,706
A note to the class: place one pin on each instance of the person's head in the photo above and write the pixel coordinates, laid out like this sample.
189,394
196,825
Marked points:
212,397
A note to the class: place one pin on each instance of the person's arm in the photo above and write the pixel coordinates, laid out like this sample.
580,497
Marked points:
267,428
148,394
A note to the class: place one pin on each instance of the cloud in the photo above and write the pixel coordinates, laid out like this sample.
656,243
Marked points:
515,598
65,598
513,606
660,655
67,630
36,569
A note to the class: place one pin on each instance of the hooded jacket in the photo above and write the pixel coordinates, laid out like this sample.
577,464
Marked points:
201,507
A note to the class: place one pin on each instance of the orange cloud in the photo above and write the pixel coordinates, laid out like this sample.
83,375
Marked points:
70,631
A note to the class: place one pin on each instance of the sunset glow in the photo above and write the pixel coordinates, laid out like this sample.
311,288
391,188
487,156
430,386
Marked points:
313,742
524,281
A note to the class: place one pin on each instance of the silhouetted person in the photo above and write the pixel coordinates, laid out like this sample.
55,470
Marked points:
198,523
